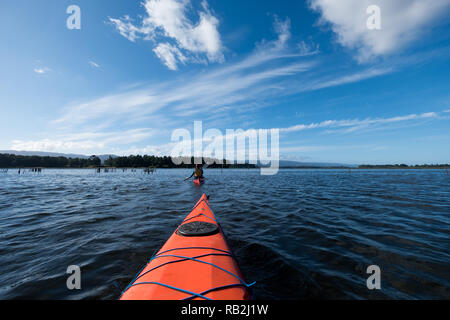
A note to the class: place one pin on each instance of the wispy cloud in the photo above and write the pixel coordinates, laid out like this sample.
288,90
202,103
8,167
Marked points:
310,148
107,108
229,87
94,64
343,126
306,49
84,142
118,142
126,28
51,145
210,92
356,124
349,126
271,71
346,79
169,21
170,55
41,70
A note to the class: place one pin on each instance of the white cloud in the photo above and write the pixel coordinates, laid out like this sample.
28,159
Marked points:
283,29
42,70
168,20
94,64
402,21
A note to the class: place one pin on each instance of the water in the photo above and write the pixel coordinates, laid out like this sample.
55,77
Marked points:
301,234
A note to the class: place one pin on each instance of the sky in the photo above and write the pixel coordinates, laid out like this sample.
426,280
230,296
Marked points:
135,71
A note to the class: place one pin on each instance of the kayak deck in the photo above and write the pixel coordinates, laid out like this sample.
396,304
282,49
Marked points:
196,263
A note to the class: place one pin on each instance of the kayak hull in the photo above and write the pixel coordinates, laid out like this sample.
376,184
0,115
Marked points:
191,267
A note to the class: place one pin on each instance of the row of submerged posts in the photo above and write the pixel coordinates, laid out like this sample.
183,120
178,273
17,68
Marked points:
144,170
23,170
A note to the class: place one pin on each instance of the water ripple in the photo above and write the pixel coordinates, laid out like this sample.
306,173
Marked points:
302,234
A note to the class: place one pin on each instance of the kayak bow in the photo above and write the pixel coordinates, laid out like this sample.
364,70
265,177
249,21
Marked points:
196,263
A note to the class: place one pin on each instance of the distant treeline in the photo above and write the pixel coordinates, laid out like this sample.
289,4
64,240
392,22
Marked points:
16,161
163,162
404,166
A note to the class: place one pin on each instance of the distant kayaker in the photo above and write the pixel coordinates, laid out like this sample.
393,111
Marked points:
198,172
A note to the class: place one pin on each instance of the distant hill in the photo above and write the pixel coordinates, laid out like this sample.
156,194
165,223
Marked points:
102,157
298,164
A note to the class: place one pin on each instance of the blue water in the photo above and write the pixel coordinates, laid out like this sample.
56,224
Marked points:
302,234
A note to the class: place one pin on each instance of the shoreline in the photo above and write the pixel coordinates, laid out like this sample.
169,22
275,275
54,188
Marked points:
255,168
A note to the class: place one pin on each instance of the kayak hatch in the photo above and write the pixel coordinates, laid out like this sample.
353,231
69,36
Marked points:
196,263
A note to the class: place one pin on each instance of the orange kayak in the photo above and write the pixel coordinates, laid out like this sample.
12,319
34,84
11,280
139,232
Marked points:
196,263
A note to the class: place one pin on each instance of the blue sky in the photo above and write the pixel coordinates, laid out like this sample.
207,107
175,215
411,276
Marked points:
137,70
